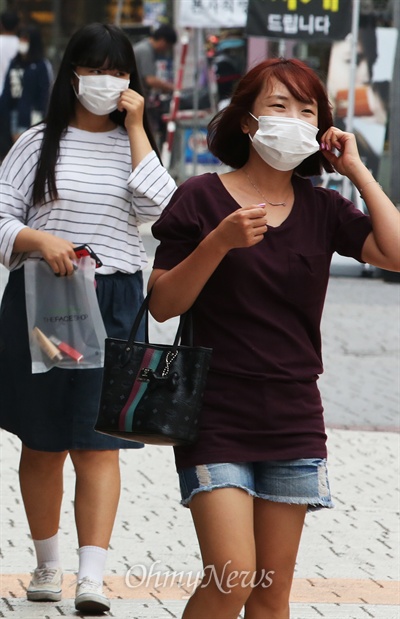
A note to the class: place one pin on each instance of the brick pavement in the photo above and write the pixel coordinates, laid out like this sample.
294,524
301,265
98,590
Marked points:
348,561
348,564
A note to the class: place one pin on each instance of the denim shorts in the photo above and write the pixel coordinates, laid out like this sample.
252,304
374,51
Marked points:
300,482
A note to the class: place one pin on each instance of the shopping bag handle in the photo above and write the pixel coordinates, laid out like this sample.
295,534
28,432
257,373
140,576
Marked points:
184,321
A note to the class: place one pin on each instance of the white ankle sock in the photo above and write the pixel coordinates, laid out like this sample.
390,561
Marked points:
92,560
47,553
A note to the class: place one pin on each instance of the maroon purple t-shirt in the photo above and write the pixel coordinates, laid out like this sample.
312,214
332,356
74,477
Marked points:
260,312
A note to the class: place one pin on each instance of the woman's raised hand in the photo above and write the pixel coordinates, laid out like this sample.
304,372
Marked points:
133,103
347,159
244,227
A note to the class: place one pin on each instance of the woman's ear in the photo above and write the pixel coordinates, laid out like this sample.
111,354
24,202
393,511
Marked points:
244,124
74,81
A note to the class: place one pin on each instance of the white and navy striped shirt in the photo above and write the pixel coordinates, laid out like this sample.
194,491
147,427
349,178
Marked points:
101,200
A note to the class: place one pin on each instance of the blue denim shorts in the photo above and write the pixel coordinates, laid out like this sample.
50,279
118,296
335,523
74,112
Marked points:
300,482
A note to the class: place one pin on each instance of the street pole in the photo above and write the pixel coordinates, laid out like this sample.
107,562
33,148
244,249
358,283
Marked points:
346,186
394,119
56,35
198,54
118,13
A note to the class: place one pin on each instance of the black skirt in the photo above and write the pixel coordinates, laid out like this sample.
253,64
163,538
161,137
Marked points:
57,410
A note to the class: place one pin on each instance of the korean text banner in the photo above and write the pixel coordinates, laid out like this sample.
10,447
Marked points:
299,19
213,13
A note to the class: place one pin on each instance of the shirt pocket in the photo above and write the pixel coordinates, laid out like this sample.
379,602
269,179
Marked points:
308,278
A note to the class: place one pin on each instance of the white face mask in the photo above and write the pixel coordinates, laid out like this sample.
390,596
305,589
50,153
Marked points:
23,47
99,94
284,142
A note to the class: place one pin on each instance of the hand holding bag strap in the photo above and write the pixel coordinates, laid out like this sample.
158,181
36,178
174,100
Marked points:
144,310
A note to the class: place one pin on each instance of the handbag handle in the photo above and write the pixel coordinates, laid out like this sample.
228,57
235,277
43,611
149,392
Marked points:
185,320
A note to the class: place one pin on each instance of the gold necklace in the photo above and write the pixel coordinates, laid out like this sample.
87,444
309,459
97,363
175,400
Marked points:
260,193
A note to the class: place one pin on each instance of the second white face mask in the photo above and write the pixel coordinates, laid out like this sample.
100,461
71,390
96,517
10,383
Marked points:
23,47
99,94
284,142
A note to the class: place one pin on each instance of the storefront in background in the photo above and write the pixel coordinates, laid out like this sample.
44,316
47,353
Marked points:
58,19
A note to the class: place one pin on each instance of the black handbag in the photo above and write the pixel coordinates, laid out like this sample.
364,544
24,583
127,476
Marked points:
152,393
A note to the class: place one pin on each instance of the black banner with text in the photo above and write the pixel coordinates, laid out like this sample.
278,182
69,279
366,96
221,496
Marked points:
299,19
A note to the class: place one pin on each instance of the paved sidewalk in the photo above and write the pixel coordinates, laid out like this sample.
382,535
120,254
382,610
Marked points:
348,563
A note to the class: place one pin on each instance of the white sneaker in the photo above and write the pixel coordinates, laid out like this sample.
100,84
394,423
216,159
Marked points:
89,596
45,585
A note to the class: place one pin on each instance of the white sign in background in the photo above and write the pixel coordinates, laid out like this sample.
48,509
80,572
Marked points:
212,13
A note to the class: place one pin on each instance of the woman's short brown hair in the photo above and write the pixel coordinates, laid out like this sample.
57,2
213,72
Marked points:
226,139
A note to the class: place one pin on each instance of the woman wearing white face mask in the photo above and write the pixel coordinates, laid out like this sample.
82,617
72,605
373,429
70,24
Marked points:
90,174
25,96
250,251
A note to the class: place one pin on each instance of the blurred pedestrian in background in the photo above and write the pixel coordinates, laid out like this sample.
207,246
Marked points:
8,42
148,52
27,85
229,66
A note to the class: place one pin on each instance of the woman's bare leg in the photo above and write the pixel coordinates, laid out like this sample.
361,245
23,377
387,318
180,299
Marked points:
96,495
224,524
41,481
277,528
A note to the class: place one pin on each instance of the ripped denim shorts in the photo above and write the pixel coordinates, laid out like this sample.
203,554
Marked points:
300,482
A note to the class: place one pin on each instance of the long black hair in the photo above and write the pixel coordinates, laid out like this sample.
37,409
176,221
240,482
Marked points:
93,45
